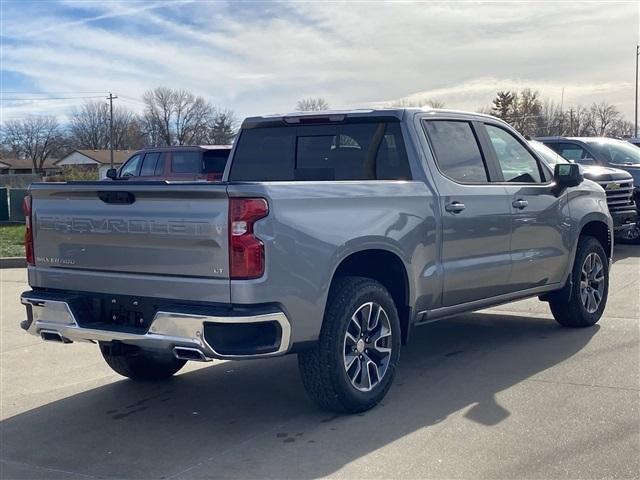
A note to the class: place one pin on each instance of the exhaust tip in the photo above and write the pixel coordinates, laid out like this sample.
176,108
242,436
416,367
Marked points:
53,336
187,353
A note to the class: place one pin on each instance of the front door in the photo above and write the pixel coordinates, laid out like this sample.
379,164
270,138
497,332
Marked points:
476,221
540,219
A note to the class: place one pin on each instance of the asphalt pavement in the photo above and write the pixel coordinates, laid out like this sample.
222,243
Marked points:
501,393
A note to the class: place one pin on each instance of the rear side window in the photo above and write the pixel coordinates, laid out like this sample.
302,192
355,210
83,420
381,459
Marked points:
149,164
457,151
186,162
365,151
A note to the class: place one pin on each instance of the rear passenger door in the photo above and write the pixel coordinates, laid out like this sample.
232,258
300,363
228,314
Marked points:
152,166
540,218
476,222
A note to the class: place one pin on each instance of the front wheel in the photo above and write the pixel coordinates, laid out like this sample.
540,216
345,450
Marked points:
581,303
631,235
138,364
353,365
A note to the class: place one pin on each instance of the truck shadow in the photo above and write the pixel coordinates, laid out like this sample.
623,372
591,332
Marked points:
253,419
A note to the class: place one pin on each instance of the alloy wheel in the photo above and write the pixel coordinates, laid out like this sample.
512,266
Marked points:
592,282
367,346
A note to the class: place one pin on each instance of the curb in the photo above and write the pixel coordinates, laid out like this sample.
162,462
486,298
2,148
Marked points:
13,262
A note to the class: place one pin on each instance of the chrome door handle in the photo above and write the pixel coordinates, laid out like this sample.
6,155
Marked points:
520,204
454,207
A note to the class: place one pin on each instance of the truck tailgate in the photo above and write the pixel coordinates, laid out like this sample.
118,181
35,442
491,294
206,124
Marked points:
144,229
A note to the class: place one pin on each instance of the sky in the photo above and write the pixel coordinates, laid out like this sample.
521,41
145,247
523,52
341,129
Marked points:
261,57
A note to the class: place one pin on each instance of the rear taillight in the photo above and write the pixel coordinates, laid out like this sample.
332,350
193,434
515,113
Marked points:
28,232
246,251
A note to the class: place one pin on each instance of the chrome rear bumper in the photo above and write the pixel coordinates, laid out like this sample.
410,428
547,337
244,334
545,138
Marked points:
170,330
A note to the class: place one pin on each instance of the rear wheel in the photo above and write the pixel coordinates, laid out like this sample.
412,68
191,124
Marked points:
353,365
138,364
581,303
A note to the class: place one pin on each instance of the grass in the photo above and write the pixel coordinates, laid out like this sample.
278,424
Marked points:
11,240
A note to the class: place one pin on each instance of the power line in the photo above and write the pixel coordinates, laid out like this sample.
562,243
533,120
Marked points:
43,99
55,92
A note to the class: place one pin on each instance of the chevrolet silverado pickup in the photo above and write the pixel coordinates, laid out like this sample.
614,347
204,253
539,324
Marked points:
331,235
617,184
605,153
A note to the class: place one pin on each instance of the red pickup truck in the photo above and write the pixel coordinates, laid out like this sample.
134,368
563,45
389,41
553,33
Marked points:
186,163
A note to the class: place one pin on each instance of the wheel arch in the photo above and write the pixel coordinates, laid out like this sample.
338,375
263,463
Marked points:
389,269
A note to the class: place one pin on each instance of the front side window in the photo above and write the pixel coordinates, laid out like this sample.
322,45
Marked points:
149,164
456,150
574,152
354,151
130,169
186,162
617,152
516,163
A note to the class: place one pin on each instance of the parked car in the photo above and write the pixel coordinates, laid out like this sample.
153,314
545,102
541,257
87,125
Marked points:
617,184
186,163
634,141
605,152
331,236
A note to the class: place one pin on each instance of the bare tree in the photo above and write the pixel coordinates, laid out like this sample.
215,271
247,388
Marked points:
603,114
312,104
190,117
89,127
222,127
35,138
157,115
417,102
175,117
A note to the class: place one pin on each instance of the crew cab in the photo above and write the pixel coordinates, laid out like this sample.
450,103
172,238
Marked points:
331,236
180,163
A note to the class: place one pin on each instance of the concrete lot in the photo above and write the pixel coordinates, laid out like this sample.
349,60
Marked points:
503,393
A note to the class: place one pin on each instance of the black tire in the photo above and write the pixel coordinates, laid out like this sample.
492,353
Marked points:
323,370
138,364
631,237
567,305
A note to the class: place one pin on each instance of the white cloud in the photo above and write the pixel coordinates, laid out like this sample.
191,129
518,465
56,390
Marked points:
260,58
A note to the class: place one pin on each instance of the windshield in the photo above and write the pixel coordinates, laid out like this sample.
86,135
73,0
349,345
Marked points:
549,156
616,151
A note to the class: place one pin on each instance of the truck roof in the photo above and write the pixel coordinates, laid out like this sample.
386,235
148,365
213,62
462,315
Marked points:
388,114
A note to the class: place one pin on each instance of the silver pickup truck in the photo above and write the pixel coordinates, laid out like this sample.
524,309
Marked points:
331,236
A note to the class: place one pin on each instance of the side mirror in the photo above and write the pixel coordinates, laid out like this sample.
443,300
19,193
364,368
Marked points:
567,175
112,173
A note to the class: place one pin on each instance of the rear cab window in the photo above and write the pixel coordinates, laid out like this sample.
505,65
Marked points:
323,152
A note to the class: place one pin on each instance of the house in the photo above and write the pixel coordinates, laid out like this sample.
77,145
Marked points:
99,159
15,165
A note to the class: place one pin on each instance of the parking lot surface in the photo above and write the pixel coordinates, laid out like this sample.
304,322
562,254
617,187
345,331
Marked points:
501,393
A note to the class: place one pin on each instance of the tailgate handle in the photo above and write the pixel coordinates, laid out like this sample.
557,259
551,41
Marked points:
121,198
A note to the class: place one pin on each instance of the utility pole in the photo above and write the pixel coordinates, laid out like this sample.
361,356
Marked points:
571,121
635,126
111,98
